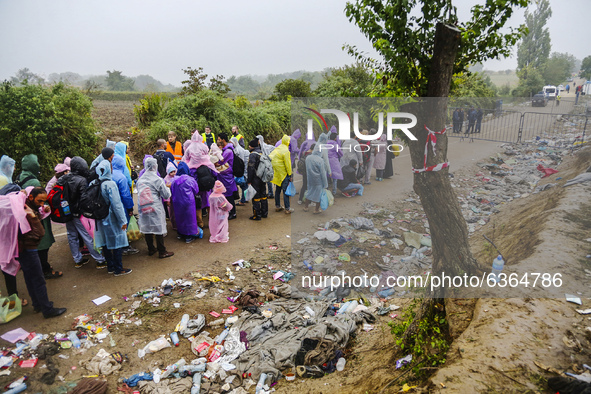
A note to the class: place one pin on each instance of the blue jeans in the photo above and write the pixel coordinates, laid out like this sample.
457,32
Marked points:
75,228
355,186
278,190
114,259
270,189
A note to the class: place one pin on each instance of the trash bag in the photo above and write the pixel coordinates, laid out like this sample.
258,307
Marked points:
133,230
330,198
291,190
324,203
249,193
10,308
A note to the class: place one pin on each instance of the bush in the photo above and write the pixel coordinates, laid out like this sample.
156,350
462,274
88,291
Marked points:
149,108
208,108
51,122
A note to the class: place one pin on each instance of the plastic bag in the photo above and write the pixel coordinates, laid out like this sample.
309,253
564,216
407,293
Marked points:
291,190
10,308
249,193
330,198
153,347
324,200
133,230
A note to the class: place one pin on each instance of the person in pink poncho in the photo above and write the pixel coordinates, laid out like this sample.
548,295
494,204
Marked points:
219,207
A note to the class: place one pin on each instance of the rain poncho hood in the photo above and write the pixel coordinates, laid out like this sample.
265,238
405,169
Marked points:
151,191
197,153
103,170
6,170
183,169
121,151
118,176
30,164
215,151
218,189
170,168
241,153
265,148
79,166
281,161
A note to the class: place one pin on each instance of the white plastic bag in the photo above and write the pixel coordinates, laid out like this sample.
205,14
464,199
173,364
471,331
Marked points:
153,347
249,193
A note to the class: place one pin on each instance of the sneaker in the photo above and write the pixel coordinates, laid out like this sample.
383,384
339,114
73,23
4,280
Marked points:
254,218
232,217
82,262
129,251
300,202
165,255
278,209
188,240
289,211
100,265
124,271
345,194
110,272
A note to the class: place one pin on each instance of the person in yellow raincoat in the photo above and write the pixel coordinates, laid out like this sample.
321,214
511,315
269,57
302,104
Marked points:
281,161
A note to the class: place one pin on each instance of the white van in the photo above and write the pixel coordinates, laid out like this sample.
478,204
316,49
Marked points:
550,91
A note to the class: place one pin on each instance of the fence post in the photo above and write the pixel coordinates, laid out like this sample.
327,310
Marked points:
520,131
584,129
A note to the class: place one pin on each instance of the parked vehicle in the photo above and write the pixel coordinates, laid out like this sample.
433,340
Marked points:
560,88
550,91
539,100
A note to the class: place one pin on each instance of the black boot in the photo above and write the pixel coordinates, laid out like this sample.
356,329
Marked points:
264,207
256,209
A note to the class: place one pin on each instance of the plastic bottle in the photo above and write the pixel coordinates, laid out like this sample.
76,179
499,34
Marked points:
344,307
73,337
497,267
173,368
18,389
174,336
341,364
310,311
183,324
261,383
386,292
308,265
196,388
220,338
354,304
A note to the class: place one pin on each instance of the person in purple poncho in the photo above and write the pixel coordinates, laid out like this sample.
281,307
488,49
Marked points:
293,146
305,145
185,193
196,156
334,156
227,176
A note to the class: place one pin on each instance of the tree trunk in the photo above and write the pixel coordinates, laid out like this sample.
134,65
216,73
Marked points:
449,233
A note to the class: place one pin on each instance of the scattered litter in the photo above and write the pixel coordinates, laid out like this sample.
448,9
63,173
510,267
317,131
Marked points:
101,300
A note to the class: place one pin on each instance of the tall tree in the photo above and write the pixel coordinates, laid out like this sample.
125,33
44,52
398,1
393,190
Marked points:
420,52
558,68
534,48
118,82
292,88
24,75
586,68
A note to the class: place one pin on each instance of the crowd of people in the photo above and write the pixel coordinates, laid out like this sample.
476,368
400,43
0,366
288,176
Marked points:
180,182
474,118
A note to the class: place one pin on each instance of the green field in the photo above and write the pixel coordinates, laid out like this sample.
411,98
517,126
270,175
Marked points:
501,79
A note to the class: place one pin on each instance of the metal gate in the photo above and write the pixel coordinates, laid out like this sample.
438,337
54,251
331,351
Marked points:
523,126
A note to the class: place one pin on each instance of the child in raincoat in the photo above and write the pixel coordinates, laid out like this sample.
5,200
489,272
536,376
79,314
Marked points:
218,214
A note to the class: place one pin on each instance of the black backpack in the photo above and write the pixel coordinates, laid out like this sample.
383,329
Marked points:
58,200
24,181
92,204
205,180
237,166
162,162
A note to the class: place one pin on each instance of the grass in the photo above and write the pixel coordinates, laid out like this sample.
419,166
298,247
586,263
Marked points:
502,79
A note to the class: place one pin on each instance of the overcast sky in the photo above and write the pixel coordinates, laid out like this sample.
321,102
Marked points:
229,37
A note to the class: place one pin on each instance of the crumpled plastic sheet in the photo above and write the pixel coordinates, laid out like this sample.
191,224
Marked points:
234,348
167,386
274,342
360,223
194,326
